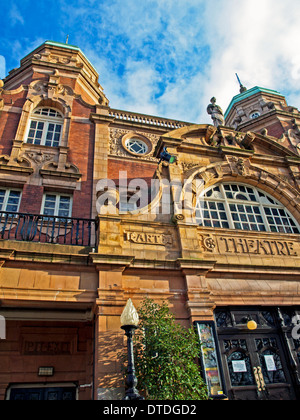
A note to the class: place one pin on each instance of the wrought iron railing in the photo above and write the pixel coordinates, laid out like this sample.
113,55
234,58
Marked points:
48,229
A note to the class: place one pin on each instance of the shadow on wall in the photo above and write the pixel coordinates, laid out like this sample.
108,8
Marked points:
110,381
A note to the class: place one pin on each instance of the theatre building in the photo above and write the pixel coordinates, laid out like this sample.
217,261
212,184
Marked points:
91,216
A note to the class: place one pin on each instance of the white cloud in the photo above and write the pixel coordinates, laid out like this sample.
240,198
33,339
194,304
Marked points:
170,57
257,39
15,15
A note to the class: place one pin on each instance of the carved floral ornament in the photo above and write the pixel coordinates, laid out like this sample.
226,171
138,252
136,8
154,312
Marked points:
39,157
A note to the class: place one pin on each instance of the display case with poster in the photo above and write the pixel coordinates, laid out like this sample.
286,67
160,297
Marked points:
210,359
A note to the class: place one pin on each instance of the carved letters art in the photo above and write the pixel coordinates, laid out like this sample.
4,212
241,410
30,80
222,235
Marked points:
149,238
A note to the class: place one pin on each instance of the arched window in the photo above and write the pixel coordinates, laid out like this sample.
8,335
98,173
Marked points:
45,127
237,206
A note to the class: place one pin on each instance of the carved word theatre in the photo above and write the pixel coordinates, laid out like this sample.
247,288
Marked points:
258,247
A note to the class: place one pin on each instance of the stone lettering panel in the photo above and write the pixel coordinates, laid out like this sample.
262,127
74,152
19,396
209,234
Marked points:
261,247
149,238
253,245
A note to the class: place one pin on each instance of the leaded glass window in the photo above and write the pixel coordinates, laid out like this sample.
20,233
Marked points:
237,206
238,361
136,146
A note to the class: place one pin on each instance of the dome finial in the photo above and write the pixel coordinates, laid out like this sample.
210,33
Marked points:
242,88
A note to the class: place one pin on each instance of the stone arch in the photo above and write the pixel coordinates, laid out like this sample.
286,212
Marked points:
39,101
224,171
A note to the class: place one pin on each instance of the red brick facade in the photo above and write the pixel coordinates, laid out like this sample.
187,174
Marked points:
62,297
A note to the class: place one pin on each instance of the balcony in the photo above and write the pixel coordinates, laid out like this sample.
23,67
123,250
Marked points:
48,229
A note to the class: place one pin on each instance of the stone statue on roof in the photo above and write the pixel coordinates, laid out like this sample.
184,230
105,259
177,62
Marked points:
216,113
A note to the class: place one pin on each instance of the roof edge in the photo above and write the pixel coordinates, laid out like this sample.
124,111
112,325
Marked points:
247,94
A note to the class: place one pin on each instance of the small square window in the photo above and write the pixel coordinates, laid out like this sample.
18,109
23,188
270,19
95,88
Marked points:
57,205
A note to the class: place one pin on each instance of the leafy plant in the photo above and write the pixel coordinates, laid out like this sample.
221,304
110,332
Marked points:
165,354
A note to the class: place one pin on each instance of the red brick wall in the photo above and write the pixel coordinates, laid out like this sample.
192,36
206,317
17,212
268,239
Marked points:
20,361
81,153
276,129
134,170
8,127
31,200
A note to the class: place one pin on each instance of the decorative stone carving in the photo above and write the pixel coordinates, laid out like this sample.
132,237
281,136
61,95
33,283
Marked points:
238,165
67,168
15,164
188,165
65,60
207,242
116,148
39,157
51,89
210,173
178,217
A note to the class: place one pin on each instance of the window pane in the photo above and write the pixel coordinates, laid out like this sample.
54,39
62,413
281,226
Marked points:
49,206
2,195
36,132
53,135
246,217
64,206
13,200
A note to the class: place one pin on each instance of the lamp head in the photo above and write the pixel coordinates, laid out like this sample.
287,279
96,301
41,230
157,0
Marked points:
251,325
167,157
129,316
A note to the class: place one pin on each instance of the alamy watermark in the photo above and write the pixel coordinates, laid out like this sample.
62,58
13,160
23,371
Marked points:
2,67
160,197
296,327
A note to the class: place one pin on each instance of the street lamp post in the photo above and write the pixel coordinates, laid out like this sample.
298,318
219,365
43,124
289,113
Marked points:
129,323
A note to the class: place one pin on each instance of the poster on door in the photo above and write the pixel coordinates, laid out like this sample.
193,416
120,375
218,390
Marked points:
210,360
239,366
270,363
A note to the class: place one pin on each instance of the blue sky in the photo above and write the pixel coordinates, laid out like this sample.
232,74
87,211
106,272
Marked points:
166,57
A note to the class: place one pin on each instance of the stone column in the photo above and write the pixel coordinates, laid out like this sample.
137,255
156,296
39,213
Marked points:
200,304
102,121
109,338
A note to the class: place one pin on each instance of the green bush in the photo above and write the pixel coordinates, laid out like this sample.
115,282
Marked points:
165,356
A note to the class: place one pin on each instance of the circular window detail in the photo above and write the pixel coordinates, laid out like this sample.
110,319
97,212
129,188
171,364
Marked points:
136,146
254,115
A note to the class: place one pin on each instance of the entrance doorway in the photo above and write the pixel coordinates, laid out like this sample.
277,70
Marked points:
262,364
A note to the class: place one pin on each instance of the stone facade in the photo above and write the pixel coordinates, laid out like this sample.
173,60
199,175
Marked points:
62,299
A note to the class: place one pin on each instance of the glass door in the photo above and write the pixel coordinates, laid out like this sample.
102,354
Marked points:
254,368
255,363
